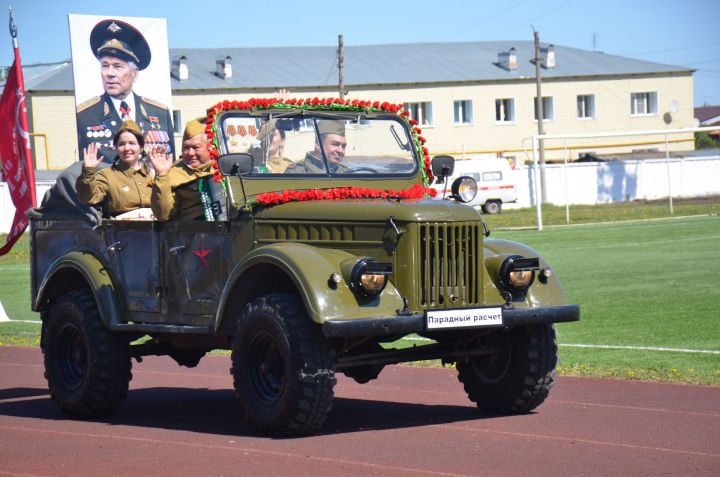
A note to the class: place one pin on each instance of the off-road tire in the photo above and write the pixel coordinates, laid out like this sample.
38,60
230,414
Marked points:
516,380
87,367
492,207
283,369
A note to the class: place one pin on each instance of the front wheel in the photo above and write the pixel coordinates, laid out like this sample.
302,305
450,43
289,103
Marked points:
86,365
517,377
283,369
492,207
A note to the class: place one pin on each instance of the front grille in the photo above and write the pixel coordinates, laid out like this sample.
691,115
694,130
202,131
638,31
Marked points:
450,261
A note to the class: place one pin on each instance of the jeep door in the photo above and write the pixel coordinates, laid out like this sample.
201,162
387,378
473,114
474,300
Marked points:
196,267
133,248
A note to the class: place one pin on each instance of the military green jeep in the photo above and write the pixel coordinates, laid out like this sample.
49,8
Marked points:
304,272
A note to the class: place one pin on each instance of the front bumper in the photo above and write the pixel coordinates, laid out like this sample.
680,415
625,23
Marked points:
415,323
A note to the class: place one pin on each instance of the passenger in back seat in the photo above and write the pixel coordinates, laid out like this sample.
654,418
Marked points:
124,186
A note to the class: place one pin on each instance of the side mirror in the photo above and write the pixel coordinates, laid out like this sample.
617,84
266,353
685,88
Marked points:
443,166
236,164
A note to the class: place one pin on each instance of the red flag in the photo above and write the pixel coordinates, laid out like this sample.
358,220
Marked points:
15,153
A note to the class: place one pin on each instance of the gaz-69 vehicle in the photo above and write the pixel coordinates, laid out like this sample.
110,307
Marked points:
328,249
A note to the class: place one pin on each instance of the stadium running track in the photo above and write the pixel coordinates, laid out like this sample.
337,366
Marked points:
411,421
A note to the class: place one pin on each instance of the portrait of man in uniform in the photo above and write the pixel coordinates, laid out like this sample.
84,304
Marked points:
123,55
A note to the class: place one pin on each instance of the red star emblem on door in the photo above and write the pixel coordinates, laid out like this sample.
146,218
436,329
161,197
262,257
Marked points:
202,253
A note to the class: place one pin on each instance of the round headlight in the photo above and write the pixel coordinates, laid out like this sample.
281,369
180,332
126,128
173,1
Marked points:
372,282
464,189
521,278
517,274
368,277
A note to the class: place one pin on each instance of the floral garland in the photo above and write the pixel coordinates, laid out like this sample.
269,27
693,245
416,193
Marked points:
273,198
313,104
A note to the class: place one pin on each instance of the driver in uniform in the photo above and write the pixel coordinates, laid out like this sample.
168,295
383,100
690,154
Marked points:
333,143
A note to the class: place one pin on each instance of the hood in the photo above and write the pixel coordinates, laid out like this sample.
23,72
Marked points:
406,210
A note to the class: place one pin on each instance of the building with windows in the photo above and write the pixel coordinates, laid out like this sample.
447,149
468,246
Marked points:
471,99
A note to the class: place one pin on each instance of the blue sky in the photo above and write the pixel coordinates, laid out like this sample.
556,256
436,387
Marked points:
666,31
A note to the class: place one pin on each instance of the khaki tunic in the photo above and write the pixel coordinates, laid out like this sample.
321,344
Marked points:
119,188
277,164
175,194
313,165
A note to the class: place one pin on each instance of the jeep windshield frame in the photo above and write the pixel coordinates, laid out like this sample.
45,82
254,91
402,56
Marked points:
300,144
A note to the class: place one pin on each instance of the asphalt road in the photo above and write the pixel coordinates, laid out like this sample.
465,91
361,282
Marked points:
411,421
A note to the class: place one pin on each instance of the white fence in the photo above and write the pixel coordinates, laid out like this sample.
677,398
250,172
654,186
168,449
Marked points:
574,183
7,209
620,181
665,133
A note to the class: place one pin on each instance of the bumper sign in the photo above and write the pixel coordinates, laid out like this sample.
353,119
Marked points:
464,318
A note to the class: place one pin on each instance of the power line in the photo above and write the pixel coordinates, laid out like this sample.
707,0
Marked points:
671,49
716,60
484,20
537,17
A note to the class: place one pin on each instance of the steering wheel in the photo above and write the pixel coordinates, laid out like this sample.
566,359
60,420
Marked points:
361,169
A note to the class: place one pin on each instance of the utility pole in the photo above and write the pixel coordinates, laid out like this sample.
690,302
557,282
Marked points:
539,109
341,67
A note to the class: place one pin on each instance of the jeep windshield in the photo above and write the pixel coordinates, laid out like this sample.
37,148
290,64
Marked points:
301,143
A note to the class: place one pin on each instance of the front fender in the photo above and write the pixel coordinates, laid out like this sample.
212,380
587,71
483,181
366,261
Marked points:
539,294
93,271
309,268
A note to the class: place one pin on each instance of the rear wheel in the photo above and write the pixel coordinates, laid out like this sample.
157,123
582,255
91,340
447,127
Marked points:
518,376
283,369
87,366
492,207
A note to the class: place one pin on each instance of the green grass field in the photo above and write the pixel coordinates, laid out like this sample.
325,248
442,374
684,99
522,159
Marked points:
650,307
646,284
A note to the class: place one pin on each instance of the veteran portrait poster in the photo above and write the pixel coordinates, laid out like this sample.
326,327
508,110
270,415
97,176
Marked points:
121,70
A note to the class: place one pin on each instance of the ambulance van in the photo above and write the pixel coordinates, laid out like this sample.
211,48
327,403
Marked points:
495,182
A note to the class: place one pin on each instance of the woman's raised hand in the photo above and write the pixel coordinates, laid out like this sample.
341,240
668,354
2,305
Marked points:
90,155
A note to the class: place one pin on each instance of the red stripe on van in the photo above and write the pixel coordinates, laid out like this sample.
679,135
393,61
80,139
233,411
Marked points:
496,187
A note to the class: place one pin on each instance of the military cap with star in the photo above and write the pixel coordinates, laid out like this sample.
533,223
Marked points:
120,40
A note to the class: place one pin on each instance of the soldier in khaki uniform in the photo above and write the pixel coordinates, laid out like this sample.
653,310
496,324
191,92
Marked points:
270,153
186,190
333,143
122,187
122,52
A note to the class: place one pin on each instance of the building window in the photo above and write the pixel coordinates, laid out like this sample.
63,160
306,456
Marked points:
547,105
463,111
505,110
177,122
586,106
643,103
420,112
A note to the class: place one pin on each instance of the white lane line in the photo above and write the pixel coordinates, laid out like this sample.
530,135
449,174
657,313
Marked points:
641,348
599,346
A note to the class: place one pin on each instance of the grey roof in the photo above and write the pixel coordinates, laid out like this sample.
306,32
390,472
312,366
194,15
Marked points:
409,63
707,113
47,76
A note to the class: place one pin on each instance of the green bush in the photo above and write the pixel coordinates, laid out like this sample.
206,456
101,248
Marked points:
704,141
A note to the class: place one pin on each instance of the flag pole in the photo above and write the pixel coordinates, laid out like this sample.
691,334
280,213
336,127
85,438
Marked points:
13,30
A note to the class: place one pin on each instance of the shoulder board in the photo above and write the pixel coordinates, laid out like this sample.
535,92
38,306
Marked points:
157,104
88,103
